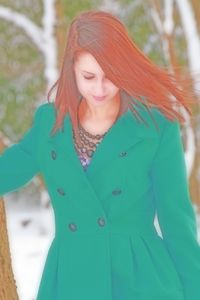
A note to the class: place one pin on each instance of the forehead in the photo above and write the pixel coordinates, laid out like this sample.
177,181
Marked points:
87,62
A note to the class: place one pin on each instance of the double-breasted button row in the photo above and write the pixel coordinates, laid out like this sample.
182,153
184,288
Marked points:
116,191
54,156
73,227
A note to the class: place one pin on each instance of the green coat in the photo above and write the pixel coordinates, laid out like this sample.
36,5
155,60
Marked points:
106,246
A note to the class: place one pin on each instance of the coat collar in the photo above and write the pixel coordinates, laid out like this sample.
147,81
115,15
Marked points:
124,134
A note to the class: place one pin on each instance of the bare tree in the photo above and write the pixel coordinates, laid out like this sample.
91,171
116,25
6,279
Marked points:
164,15
44,39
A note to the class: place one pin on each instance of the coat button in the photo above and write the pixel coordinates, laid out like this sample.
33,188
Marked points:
116,192
61,191
72,226
101,221
53,154
123,153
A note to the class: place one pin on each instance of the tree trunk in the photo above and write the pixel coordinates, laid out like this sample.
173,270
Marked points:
8,290
168,39
61,29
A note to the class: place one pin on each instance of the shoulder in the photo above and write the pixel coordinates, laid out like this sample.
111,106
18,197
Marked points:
154,116
45,113
45,109
45,117
169,136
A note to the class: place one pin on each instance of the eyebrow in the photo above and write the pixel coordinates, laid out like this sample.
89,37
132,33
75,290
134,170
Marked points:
87,72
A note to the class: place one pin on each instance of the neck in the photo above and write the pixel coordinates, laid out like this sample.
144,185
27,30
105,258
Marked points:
99,114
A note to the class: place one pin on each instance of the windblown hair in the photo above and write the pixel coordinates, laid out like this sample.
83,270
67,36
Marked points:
140,81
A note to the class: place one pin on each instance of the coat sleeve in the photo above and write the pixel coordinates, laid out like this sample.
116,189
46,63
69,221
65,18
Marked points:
18,162
174,208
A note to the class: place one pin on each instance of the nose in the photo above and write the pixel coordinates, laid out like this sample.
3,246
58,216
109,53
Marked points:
99,89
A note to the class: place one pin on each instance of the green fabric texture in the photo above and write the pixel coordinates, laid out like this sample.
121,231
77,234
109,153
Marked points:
18,162
106,245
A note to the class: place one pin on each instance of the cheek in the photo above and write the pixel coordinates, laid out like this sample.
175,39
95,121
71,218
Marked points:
82,85
113,89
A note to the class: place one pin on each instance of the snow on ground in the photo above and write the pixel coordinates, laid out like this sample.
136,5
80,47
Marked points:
29,244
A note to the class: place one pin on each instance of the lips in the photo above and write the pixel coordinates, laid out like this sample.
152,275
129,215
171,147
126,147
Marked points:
99,98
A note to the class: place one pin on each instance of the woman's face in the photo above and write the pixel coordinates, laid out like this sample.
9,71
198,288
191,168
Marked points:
92,82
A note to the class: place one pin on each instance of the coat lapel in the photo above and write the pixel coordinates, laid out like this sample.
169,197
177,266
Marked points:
124,134
115,143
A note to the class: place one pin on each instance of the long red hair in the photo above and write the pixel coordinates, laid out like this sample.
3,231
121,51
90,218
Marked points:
139,79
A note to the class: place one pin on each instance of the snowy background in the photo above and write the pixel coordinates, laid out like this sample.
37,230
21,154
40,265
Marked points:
30,233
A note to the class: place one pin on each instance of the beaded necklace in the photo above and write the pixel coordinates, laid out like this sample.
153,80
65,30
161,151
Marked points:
86,148
88,145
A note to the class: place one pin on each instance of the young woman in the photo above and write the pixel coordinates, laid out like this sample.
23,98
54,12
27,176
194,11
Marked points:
110,152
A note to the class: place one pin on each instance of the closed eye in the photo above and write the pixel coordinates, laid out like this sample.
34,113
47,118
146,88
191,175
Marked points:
91,77
88,78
